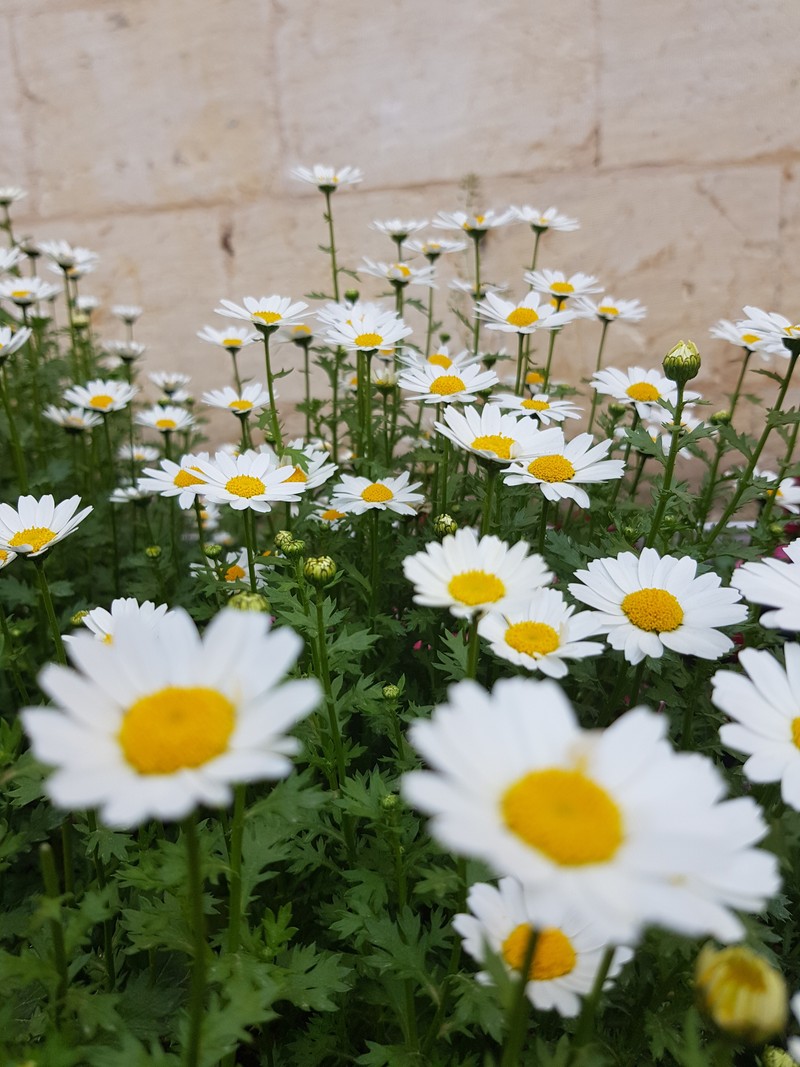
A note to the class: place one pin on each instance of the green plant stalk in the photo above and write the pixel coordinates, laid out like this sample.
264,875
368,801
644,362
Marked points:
398,299
234,352
429,327
50,879
16,447
197,922
521,362
669,470
307,379
112,510
536,241
330,704
73,333
476,333
543,523
332,244
472,649
754,458
235,878
517,1027
34,368
598,365
637,474
492,471
786,463
273,411
373,566
586,1020
708,494
250,542
445,473
47,601
550,347
108,924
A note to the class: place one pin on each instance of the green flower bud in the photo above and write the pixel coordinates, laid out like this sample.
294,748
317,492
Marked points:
248,602
444,525
617,410
391,692
351,296
390,801
212,551
282,538
319,569
153,551
776,529
294,548
776,1057
720,418
444,338
78,617
682,362
80,321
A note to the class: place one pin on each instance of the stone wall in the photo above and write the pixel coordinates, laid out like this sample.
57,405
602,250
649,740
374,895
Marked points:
161,133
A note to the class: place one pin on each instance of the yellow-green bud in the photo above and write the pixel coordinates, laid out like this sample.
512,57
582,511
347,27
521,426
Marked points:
319,569
78,617
777,1057
391,692
282,538
741,993
776,529
80,321
720,418
390,801
212,551
444,525
294,548
153,551
351,296
617,410
682,362
248,602
444,338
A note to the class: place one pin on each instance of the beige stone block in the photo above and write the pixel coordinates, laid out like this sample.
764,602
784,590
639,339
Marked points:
14,169
697,82
417,92
142,103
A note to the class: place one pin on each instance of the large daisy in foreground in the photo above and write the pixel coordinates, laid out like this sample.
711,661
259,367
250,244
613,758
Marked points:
648,603
612,823
776,584
161,721
34,526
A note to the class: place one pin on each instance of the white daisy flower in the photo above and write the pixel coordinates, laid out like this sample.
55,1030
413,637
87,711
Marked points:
6,557
475,225
72,260
659,425
128,313
398,229
786,494
460,285
488,433
235,568
87,303
434,247
248,480
166,418
653,602
522,318
183,480
567,956
357,495
130,494
301,335
103,623
608,309
440,357
542,634
328,179
611,822
231,339
268,312
368,331
779,332
433,384
765,707
314,467
137,453
471,576
539,406
9,258
328,515
557,284
560,467
333,314
637,386
26,291
11,341
550,219
776,584
101,395
398,273
34,526
241,402
725,330
73,420
169,381
159,722
127,351
9,194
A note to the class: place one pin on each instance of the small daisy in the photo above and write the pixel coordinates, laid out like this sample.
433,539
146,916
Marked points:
609,309
539,221
159,722
169,381
765,706
166,418
268,313
231,339
183,480
328,179
559,467
103,395
235,568
9,258
72,260
779,332
557,284
399,229
9,194
313,466
26,291
440,357
434,247
654,602
786,494
6,557
248,480
611,822
328,515
639,387
357,495
34,525
241,402
471,576
301,335
776,584
138,453
540,406
11,342
541,635
568,952
398,273
437,385
368,331
474,225
87,304
488,433
130,494
127,351
127,313
103,623
73,420
522,318
460,285
725,330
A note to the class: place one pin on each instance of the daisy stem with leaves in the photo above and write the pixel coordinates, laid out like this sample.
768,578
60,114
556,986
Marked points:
626,457
331,244
666,486
197,993
476,330
50,612
517,1027
521,363
429,327
330,703
16,448
492,472
785,464
373,567
550,348
543,523
235,875
277,440
50,879
708,494
536,241
112,510
598,365
444,474
250,543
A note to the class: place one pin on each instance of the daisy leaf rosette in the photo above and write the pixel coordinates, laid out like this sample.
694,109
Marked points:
354,496
488,433
559,467
648,603
248,480
613,823
437,385
539,406
568,954
35,525
764,704
542,635
523,318
264,312
472,575
775,584
161,721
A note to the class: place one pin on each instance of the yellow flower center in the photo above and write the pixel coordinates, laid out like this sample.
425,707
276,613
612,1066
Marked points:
35,536
166,424
750,338
183,479
562,288
654,610
241,405
20,294
607,309
269,317
535,405
176,728
331,515
643,391
376,493
533,377
299,475
101,401
439,359
234,573
553,956
564,815
532,638
3,555
301,330
552,469
522,317
796,731
447,384
245,485
476,587
231,342
402,269
494,442
369,340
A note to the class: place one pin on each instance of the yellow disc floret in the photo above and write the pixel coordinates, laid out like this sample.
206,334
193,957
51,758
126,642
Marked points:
644,392
532,638
299,475
476,587
176,728
245,485
564,815
35,536
101,401
562,288
447,384
268,317
653,610
234,573
535,405
494,442
552,469
377,493
369,340
241,405
522,317
553,956
166,424
183,479
439,359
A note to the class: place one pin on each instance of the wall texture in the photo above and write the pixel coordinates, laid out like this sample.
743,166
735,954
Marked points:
161,133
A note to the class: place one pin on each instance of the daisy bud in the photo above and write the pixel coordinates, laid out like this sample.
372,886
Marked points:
776,529
248,602
741,992
351,296
682,362
390,801
294,548
391,692
777,1057
80,321
720,418
282,538
444,525
319,569
617,410
153,551
78,617
212,551
444,338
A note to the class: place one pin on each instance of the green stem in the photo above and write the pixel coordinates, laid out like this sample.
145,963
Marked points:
537,239
492,472
586,1021
598,365
518,1010
787,461
476,336
444,475
16,448
234,353
50,879
322,659
273,411
337,360
550,348
250,542
332,244
708,493
429,329
307,378
235,878
197,993
373,569
521,363
472,649
108,924
669,470
543,523
47,601
112,510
